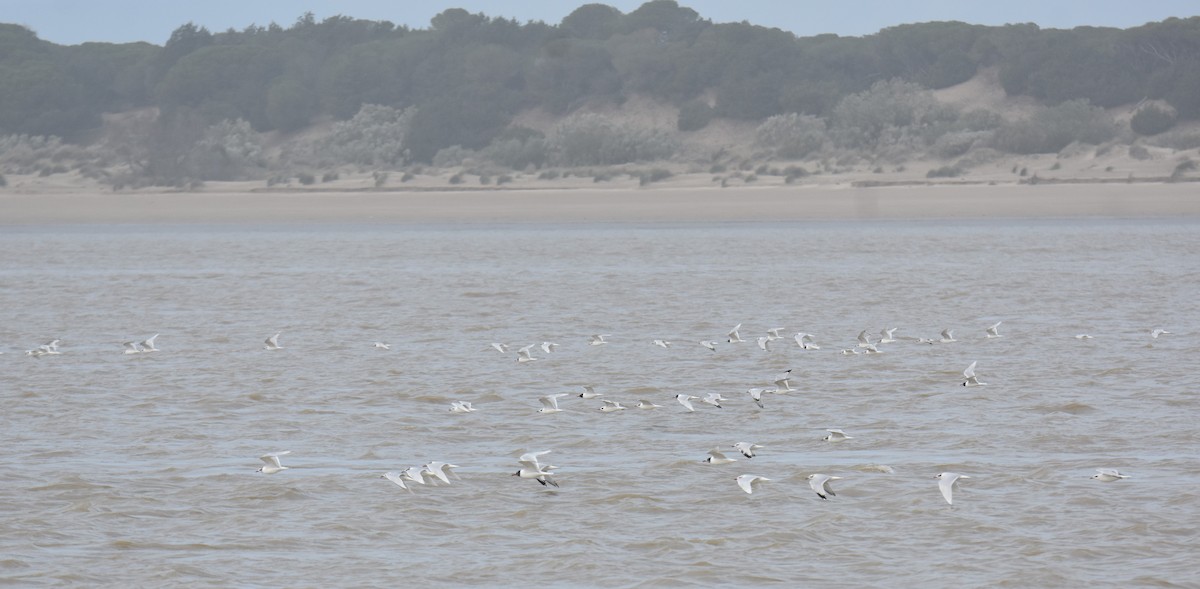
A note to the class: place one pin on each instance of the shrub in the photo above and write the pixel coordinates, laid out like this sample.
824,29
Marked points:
952,171
517,148
1051,129
374,136
694,115
503,179
1151,120
1185,166
306,179
887,112
329,177
653,175
453,156
791,135
380,178
1139,152
3,181
457,178
407,176
592,139
548,175
957,143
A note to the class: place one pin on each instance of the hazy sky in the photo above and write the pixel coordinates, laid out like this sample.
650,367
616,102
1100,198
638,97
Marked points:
76,21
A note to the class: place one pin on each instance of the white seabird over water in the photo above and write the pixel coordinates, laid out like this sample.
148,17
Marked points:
271,462
946,482
820,484
748,481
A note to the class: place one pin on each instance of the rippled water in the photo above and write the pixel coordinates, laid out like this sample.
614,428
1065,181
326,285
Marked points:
139,470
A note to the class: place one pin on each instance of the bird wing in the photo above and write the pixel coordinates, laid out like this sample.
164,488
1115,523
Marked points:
970,371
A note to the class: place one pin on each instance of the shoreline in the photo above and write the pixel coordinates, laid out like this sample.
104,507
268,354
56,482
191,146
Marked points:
653,204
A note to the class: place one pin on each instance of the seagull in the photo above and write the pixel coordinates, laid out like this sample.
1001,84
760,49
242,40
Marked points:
548,347
773,333
836,435
414,474
147,344
1083,336
395,478
662,343
434,469
524,355
948,336
272,465
52,344
946,484
784,382
598,340
805,341
713,399
993,330
461,407
686,400
850,351
43,350
764,343
610,406
532,469
734,336
887,336
382,346
272,343
444,467
1108,475
715,456
756,394
131,348
924,340
550,403
820,484
643,404
871,349
864,341
747,482
747,449
589,392
712,345
1154,334
969,374
499,347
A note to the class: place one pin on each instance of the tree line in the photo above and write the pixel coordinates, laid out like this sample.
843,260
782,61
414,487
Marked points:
466,75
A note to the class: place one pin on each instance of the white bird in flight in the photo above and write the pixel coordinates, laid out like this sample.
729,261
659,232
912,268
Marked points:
550,403
713,399
710,344
643,404
748,481
131,348
836,435
948,336
1157,332
461,407
589,392
395,478
747,448
147,345
499,347
1108,475
946,482
271,461
272,343
525,354
686,400
774,333
756,394
598,340
887,336
1083,336
382,346
734,336
764,344
532,469
548,347
662,343
971,379
820,484
610,406
864,341
715,456
993,331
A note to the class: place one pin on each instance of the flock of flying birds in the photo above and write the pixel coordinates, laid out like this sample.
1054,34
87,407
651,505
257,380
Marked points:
531,467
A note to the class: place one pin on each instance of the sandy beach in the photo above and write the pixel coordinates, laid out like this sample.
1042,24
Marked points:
660,204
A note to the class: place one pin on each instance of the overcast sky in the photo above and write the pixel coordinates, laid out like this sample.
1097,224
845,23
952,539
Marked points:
75,21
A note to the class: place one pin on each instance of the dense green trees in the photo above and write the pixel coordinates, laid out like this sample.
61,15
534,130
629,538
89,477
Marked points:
467,75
